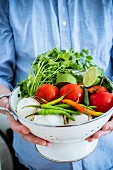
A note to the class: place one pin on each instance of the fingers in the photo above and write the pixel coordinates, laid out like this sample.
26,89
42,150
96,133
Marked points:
108,126
97,135
106,129
4,102
16,126
25,132
36,140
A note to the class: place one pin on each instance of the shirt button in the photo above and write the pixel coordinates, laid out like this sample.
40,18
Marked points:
64,23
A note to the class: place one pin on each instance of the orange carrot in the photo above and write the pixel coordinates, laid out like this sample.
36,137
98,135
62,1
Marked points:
80,108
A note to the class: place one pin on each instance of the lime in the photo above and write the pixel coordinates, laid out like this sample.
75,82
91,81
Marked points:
91,77
66,78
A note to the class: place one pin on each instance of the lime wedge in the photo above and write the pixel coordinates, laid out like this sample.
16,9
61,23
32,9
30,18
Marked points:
91,77
66,78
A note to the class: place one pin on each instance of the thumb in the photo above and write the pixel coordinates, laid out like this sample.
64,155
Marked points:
5,102
7,106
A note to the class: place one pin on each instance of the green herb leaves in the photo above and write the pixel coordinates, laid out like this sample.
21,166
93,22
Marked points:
47,67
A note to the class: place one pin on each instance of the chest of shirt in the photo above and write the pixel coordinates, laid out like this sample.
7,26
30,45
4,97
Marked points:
38,27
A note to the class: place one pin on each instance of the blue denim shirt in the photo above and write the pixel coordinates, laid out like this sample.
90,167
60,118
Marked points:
29,28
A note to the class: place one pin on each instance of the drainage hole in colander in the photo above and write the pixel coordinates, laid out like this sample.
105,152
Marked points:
86,134
38,133
98,127
51,137
18,94
92,130
57,139
45,137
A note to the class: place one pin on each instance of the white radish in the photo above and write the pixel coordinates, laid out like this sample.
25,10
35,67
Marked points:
79,119
24,111
56,120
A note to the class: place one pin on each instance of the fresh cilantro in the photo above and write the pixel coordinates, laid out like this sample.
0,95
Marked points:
47,67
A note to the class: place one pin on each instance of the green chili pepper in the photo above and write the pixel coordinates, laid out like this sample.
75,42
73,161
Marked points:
45,112
93,107
45,106
59,99
89,107
63,105
41,100
86,97
55,101
35,106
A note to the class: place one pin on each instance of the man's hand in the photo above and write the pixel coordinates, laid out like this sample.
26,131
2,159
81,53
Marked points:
4,101
106,129
15,125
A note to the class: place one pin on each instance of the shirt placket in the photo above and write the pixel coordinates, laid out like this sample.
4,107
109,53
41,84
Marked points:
64,27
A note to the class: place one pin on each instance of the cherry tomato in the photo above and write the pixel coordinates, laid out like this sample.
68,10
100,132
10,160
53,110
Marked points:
47,92
78,93
103,101
96,89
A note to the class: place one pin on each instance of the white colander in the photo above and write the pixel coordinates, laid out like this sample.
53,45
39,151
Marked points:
68,140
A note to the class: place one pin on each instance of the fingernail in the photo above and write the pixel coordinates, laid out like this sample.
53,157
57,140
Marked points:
7,106
107,132
49,144
25,131
44,143
92,139
107,128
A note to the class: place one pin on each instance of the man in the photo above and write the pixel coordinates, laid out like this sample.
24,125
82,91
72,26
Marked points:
29,28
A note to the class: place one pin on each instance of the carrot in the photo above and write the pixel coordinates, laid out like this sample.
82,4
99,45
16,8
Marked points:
80,108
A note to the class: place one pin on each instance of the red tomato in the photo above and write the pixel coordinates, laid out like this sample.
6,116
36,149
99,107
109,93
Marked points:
103,101
96,89
48,92
75,94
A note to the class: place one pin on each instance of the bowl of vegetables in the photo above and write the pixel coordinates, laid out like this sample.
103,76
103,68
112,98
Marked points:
65,99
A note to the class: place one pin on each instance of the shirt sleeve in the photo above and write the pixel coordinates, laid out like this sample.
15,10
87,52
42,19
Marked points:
7,52
112,44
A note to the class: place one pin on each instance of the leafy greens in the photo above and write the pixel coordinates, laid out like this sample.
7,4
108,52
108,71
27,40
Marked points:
48,66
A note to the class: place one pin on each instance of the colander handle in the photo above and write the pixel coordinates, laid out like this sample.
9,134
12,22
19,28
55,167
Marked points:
6,110
5,95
